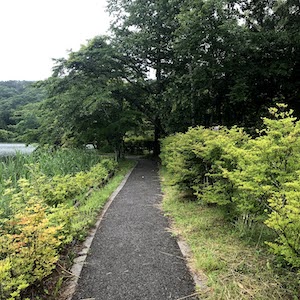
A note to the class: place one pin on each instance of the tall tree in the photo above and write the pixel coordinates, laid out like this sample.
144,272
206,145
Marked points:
180,64
235,57
86,103
143,31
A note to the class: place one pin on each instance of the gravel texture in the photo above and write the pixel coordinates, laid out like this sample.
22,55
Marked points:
133,256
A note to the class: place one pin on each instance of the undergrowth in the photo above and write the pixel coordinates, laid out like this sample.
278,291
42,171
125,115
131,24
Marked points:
254,178
230,265
54,286
42,215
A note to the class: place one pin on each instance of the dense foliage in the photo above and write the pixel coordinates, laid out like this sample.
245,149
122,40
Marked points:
18,106
168,65
39,215
234,58
255,179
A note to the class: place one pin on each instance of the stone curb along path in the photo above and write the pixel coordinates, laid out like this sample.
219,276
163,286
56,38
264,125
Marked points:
79,261
131,255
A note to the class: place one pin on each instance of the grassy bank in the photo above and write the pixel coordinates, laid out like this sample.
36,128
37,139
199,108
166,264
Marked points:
51,163
232,261
45,211
54,286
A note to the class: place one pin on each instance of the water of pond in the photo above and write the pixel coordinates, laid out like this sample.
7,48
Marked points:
11,149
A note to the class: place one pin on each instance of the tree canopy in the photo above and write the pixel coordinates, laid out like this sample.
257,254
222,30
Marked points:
168,65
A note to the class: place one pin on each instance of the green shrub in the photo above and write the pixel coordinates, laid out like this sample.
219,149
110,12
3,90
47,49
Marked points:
220,151
268,181
39,219
28,249
199,161
181,161
256,179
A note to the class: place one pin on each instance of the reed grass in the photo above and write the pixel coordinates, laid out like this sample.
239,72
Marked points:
51,163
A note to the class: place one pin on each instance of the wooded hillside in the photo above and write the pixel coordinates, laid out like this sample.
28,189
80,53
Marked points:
17,98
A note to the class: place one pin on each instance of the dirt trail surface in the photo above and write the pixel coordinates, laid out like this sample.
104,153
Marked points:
133,256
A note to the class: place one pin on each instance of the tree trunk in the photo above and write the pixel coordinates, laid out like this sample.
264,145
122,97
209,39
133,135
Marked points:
157,136
193,123
118,146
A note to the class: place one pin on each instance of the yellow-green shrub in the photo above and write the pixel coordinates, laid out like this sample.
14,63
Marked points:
178,156
28,249
268,180
61,189
198,158
40,223
256,178
220,152
285,220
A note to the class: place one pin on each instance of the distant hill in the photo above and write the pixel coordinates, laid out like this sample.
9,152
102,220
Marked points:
14,96
12,88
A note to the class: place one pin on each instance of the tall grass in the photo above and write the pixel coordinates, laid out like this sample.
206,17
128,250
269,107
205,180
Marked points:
51,163
66,161
42,217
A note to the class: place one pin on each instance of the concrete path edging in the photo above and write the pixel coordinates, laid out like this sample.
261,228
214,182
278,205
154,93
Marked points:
79,262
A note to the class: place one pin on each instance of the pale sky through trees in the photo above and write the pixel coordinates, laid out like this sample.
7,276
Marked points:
32,32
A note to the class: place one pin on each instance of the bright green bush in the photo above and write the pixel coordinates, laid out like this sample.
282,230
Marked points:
199,158
220,151
257,179
178,156
268,181
39,220
28,249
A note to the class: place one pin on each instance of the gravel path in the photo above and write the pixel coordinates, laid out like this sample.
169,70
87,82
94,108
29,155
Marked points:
133,256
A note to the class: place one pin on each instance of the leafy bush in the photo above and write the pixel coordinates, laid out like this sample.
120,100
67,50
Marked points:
39,220
257,179
269,180
178,156
29,249
220,151
200,159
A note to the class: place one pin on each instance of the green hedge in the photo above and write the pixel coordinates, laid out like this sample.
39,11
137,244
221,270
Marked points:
256,179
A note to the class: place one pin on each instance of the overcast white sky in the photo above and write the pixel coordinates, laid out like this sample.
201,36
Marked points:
32,32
